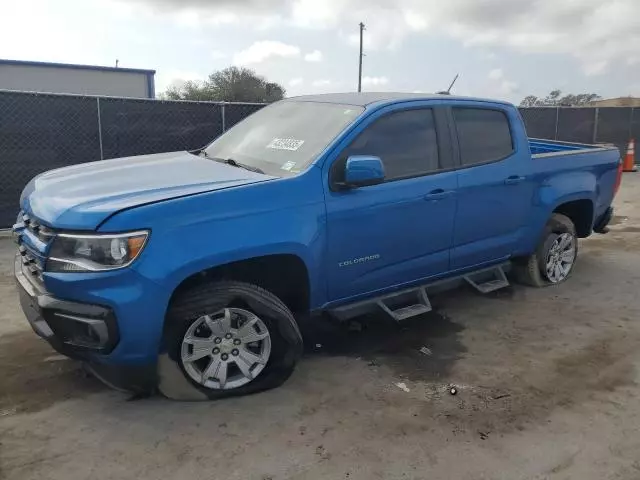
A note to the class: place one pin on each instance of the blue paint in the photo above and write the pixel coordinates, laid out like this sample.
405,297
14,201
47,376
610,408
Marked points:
203,214
149,74
547,146
363,170
73,66
151,85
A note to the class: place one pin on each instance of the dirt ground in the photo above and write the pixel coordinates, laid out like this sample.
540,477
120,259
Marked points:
547,380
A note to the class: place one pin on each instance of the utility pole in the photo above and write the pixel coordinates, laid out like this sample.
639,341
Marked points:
360,59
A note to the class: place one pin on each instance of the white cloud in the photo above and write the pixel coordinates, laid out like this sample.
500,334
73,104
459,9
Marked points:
595,68
416,21
508,87
315,56
496,74
192,18
294,82
374,81
323,82
175,78
260,51
218,55
502,85
591,31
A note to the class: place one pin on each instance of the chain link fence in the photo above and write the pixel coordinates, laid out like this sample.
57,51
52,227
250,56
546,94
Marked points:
616,125
39,132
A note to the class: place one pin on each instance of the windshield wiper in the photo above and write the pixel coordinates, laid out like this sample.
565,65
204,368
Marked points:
233,163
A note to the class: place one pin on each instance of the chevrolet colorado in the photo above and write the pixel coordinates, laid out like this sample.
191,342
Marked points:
186,271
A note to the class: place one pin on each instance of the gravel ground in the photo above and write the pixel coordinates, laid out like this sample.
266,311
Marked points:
547,380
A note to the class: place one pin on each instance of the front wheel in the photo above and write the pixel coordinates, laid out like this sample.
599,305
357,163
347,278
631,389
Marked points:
226,339
555,256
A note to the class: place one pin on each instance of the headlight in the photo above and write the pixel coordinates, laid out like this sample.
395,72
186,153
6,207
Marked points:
90,253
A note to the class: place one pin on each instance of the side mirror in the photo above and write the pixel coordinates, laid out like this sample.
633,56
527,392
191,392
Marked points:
363,170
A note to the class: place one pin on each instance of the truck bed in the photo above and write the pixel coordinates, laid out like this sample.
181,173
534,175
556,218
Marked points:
540,147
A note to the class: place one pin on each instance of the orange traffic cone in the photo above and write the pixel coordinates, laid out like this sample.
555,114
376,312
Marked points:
629,164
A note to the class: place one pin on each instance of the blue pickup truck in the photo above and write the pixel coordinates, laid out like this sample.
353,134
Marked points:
187,271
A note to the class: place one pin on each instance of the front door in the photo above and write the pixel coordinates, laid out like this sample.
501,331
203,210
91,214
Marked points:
399,231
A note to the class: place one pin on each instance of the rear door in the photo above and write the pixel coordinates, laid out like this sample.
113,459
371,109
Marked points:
494,193
399,231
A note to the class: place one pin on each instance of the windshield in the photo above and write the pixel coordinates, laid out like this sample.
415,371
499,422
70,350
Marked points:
285,137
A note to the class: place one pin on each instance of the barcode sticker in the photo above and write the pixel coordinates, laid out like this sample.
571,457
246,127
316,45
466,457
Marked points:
290,144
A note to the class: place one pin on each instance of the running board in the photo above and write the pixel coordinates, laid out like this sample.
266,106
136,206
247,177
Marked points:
414,301
486,281
406,304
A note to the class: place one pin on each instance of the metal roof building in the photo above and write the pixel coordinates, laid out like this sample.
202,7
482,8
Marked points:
48,77
617,102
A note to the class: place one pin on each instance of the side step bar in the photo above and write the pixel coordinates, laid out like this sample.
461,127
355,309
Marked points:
397,305
486,281
412,302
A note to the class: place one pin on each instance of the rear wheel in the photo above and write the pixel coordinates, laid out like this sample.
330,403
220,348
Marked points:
555,257
225,339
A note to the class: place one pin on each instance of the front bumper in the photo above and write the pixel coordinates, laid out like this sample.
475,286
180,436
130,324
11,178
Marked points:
82,331
75,329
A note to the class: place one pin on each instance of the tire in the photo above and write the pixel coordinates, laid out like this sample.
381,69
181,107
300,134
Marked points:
240,301
532,270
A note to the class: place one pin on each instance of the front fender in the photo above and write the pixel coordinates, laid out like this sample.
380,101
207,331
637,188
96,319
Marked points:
198,233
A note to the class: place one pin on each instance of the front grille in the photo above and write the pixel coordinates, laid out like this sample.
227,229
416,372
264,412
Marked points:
32,266
33,256
44,233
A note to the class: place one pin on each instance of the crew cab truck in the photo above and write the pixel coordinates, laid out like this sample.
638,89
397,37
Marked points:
186,271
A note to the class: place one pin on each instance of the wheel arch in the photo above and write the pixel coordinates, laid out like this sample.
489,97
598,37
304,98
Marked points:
580,211
286,275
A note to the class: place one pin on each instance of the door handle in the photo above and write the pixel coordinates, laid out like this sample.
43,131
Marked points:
514,180
438,194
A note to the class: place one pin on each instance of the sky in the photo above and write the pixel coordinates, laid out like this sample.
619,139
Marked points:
503,49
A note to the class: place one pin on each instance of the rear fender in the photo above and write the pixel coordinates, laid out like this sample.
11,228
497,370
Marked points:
554,192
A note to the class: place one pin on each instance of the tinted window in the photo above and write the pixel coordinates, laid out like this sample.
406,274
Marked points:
483,135
405,141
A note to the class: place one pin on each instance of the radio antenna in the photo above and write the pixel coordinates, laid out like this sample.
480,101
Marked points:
448,90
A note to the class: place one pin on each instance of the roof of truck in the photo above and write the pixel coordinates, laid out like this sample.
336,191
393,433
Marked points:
364,99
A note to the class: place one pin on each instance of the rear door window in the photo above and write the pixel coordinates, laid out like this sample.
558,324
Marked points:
483,135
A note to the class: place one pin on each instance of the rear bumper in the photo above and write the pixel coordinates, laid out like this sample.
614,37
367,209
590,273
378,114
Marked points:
601,223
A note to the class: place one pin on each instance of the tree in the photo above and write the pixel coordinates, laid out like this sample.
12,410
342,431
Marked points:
530,101
555,99
232,84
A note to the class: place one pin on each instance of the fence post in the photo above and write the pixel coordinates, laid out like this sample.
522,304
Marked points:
595,124
99,128
557,119
224,117
630,125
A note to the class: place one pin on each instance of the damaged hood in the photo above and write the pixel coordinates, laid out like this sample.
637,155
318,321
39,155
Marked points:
82,196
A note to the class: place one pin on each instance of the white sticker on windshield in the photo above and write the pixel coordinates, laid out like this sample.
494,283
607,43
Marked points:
288,166
285,144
